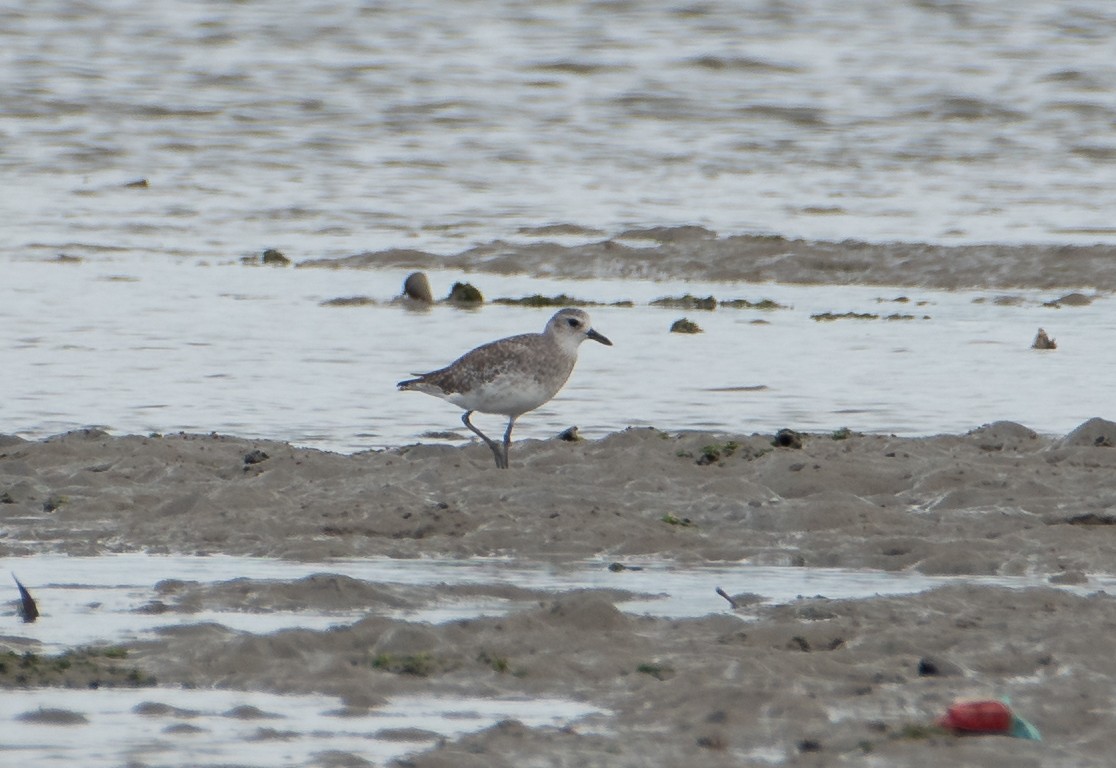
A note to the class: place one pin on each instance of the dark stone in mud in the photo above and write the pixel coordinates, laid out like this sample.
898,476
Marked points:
787,438
570,435
53,503
930,666
713,741
255,457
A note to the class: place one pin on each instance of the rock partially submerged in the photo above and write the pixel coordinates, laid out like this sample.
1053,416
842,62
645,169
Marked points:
417,288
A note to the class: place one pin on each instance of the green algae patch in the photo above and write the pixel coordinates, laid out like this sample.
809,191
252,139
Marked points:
80,668
764,304
686,302
831,316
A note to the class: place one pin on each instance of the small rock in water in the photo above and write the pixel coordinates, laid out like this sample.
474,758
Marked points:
274,258
1042,341
417,287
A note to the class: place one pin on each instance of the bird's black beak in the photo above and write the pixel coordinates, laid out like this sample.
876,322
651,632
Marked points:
598,337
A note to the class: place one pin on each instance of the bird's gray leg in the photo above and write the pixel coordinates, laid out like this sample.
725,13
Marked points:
501,456
507,439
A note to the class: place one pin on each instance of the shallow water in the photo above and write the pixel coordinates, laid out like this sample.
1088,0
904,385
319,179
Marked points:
196,727
327,128
98,600
139,346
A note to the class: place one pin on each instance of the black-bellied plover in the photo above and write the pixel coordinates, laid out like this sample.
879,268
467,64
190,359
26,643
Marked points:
510,376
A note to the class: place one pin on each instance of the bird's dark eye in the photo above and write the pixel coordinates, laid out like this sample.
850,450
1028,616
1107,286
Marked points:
573,322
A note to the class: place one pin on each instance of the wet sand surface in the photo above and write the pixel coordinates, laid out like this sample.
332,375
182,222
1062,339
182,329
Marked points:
698,253
812,681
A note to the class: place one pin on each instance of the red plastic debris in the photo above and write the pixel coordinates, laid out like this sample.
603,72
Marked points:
978,716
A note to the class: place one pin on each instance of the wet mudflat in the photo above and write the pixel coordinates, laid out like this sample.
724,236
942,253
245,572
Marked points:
802,679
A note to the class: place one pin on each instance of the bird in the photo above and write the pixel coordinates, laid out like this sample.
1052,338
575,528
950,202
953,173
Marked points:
510,376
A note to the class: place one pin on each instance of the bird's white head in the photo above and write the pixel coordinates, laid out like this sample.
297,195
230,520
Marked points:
569,327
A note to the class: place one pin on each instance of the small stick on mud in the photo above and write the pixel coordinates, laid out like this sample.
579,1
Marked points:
28,611
726,596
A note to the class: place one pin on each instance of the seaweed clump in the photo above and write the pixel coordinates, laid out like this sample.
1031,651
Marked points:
465,293
685,325
686,302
